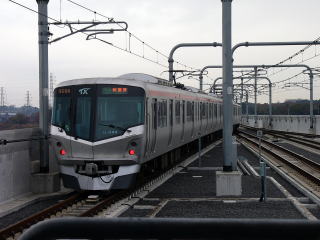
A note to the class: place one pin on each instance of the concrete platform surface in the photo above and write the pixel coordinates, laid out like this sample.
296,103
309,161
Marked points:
21,207
192,193
231,209
202,184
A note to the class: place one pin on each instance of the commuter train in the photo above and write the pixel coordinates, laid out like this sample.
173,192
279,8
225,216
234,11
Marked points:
104,129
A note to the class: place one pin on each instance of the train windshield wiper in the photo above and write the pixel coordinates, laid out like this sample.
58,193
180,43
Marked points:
116,127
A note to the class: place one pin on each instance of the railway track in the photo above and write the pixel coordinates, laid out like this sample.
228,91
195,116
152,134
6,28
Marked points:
296,134
300,138
84,205
78,205
300,167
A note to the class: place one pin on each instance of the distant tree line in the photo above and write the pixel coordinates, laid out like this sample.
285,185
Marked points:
289,107
12,117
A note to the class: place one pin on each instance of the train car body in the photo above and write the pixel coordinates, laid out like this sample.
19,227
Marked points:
104,129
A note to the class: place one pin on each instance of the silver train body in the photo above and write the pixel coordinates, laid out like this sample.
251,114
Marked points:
104,129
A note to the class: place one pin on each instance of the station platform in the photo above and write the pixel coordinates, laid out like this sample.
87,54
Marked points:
191,193
28,204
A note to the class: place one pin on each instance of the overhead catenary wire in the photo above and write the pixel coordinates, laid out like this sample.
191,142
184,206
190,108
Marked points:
99,39
130,33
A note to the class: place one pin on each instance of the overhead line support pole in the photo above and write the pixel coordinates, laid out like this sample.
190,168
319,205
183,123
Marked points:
229,163
299,43
171,61
255,96
43,35
271,66
255,87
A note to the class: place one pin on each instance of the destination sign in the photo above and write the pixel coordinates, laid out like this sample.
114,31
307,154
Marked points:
114,90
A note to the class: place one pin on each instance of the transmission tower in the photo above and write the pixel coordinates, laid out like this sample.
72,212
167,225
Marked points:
2,97
28,99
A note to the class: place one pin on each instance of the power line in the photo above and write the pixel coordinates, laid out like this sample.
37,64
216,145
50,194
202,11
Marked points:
302,61
111,44
297,53
130,33
110,19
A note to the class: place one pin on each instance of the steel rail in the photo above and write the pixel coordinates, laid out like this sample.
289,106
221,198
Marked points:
94,210
304,172
104,204
39,216
290,137
305,142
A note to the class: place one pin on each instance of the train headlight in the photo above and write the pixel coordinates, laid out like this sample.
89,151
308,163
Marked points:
63,152
132,152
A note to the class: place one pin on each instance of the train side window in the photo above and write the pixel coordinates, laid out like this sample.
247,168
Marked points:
162,113
154,112
189,111
212,107
215,111
171,112
192,112
210,110
203,110
196,111
183,111
208,106
177,108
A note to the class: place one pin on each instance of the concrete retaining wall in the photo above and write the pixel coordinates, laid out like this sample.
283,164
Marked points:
289,123
18,161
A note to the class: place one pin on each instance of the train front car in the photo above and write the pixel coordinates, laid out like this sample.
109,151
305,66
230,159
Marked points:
97,133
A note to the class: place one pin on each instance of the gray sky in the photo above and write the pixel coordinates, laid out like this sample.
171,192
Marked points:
162,24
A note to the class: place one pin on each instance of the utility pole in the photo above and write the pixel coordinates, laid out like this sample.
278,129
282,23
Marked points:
43,35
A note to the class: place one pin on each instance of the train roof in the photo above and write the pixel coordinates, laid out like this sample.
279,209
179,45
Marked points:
144,81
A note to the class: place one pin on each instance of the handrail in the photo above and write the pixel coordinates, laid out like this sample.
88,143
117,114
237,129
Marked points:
172,228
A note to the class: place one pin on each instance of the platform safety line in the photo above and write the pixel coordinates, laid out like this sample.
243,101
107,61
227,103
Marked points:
291,180
121,206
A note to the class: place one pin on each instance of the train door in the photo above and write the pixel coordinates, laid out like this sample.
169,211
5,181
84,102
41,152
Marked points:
183,119
170,121
200,116
154,116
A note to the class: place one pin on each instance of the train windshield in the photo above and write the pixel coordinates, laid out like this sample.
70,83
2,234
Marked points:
97,112
118,108
62,109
